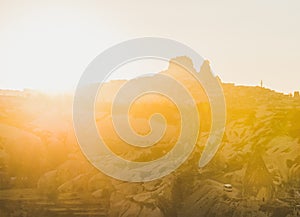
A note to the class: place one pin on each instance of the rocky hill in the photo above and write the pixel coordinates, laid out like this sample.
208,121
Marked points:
43,171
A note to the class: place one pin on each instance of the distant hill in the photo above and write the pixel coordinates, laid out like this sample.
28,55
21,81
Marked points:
259,155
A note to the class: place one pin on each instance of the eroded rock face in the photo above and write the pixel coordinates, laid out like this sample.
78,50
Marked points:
190,191
143,199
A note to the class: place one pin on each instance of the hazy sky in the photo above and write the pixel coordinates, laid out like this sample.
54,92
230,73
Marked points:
47,44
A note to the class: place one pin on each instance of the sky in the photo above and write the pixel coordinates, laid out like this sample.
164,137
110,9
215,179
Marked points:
46,45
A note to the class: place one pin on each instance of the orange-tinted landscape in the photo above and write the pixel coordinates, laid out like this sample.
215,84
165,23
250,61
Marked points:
256,171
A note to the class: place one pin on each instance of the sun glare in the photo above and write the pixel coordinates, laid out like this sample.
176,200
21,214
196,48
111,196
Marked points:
48,49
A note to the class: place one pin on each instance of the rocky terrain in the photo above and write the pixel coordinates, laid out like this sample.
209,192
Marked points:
44,173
